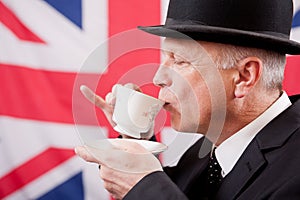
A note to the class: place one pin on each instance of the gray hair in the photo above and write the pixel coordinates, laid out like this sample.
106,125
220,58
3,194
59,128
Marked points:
273,63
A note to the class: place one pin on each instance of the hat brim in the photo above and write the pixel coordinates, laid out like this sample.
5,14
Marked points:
227,36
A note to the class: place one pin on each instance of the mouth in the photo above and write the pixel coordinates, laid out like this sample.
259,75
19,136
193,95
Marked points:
166,105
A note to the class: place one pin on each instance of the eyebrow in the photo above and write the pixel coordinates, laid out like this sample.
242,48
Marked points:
176,50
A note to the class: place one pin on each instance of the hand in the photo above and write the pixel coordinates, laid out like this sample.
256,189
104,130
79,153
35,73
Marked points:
121,166
107,105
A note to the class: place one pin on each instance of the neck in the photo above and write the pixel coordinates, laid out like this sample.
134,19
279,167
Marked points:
244,111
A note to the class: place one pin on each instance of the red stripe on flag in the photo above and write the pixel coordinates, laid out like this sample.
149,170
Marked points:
127,15
291,83
55,96
37,94
13,23
33,169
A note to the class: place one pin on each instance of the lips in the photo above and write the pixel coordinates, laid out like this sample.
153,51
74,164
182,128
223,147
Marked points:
166,103
167,106
166,96
164,100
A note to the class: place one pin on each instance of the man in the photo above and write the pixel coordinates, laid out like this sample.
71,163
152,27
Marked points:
227,86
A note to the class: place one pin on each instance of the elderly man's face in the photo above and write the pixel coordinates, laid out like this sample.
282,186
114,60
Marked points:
191,85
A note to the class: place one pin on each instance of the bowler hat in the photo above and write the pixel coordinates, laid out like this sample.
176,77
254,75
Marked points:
262,24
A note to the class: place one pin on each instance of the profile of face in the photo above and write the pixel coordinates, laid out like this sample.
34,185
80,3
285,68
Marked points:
191,85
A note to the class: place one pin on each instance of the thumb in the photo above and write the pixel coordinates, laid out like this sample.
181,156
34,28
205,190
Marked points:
83,153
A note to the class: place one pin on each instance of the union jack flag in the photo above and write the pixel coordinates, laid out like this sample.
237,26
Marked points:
43,44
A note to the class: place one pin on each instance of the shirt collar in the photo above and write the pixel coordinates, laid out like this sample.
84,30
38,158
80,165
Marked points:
229,151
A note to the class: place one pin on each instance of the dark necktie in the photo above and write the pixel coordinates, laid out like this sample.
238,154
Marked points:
214,178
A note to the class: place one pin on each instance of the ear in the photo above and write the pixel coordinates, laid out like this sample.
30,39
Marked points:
249,73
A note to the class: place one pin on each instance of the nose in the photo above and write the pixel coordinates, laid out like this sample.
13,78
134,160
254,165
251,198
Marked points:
162,77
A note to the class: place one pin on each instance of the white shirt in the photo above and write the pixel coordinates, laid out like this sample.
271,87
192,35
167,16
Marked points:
229,151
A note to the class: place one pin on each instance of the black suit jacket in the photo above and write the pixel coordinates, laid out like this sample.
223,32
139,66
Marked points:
268,169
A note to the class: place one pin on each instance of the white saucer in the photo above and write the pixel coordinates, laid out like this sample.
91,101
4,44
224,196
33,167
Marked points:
131,133
151,146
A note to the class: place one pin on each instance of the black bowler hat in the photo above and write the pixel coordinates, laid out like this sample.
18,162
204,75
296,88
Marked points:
253,23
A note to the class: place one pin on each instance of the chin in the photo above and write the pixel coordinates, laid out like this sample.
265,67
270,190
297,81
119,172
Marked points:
180,126
176,123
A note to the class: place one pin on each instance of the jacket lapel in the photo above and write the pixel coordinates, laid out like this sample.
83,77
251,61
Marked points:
248,165
192,165
253,161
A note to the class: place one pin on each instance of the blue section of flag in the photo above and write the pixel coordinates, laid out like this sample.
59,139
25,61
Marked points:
296,20
72,9
71,189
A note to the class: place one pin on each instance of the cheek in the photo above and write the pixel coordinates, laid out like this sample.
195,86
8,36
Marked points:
193,103
195,91
190,90
186,83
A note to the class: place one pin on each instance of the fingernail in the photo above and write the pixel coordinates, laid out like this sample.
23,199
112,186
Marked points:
75,150
82,87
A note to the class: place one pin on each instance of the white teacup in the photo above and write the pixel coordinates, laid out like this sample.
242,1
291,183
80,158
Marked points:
134,112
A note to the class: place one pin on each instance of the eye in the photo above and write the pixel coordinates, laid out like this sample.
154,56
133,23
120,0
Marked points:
179,62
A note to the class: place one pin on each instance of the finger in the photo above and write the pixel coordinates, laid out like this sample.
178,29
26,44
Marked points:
108,175
85,155
119,183
123,156
114,89
92,97
115,189
110,99
112,189
133,86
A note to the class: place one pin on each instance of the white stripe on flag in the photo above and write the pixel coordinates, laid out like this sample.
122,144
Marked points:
66,46
93,187
14,151
17,133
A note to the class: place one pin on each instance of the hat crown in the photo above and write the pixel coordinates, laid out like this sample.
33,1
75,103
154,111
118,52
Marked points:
264,24
272,16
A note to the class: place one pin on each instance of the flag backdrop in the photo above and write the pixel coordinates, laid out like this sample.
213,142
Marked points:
43,44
